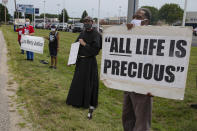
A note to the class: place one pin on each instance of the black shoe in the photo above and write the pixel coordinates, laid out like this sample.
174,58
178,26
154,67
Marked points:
51,67
31,60
54,67
194,106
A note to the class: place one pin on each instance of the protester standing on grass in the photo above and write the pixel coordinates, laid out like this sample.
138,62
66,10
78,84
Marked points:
137,108
29,30
53,46
84,87
20,31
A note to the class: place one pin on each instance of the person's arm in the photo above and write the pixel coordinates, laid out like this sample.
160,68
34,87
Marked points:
31,34
17,30
58,39
93,49
46,37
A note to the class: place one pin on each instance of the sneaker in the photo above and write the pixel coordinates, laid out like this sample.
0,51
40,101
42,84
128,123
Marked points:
51,67
54,67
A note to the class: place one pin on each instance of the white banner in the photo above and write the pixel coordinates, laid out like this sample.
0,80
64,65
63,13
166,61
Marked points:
147,60
32,43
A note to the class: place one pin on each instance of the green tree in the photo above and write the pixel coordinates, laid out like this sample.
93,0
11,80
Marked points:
2,13
16,14
49,15
154,14
171,13
28,16
66,17
83,15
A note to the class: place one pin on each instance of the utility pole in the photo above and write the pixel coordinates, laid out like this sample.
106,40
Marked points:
63,13
58,14
5,9
98,19
44,13
120,14
5,15
184,15
92,12
132,8
34,17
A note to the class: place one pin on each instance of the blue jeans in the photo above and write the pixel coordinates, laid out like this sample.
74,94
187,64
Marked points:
30,55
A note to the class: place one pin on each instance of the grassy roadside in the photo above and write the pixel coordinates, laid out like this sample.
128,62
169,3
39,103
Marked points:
44,91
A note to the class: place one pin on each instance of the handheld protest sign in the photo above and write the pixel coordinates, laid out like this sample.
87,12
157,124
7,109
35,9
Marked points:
32,43
73,53
147,59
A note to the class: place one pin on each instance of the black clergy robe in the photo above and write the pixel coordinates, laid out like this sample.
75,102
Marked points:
84,87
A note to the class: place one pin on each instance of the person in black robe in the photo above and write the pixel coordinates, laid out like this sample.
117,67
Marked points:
84,87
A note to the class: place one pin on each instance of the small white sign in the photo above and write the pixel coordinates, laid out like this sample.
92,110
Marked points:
73,53
32,43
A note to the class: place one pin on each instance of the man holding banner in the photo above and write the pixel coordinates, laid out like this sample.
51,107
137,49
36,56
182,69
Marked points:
29,30
137,108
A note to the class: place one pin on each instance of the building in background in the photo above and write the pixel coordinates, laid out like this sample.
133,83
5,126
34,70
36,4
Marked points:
191,19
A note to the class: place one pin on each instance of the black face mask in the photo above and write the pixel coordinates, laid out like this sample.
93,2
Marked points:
87,26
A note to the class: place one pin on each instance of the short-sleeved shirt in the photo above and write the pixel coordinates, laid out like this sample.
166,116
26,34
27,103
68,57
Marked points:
28,30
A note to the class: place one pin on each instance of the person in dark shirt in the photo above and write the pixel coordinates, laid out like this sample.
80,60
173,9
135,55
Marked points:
53,46
84,87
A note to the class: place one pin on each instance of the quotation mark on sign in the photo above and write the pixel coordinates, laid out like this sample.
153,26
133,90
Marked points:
181,69
108,39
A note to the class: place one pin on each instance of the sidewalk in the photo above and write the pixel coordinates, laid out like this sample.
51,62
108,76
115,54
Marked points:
10,119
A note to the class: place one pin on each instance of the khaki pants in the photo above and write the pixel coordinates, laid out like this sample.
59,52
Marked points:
137,111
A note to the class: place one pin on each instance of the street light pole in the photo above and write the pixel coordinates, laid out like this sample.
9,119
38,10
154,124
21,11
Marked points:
44,13
73,17
184,15
132,8
120,14
98,24
63,13
5,15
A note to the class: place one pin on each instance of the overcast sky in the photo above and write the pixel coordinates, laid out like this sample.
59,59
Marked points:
108,7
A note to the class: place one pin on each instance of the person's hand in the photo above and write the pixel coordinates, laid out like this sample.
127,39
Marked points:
149,94
46,37
130,26
81,41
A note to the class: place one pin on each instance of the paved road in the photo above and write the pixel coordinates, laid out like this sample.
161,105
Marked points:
4,114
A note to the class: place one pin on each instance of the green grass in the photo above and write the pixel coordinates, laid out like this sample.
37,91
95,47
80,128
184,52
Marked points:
44,93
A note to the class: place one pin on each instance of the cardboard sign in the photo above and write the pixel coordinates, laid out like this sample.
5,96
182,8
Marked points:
32,43
147,59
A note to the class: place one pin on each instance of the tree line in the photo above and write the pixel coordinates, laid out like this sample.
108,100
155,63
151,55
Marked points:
168,13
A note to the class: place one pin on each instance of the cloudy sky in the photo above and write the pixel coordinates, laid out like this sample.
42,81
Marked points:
108,7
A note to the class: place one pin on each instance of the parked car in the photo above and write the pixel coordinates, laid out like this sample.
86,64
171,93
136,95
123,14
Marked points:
100,27
195,31
40,26
63,27
78,27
